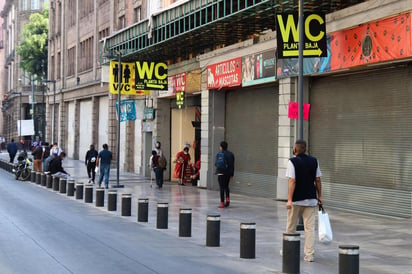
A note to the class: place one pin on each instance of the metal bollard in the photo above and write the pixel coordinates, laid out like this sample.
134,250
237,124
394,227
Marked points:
142,210
70,188
348,259
62,185
99,197
112,200
162,215
248,240
291,253
88,194
185,222
43,179
79,191
213,230
33,176
126,204
49,182
38,178
56,182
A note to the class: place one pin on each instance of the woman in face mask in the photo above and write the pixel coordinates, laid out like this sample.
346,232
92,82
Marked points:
182,162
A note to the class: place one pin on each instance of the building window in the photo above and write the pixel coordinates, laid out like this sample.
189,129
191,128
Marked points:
71,54
35,4
122,22
24,5
137,14
86,7
103,33
72,12
85,61
52,66
58,66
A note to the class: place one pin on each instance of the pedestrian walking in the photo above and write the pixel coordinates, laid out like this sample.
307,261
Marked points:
12,150
104,159
182,162
161,164
37,153
158,171
90,162
225,169
305,193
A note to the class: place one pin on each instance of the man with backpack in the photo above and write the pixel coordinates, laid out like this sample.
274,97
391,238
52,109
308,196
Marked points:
225,168
161,165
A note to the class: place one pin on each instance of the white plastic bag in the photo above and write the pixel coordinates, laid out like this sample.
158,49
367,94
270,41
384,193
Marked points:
324,228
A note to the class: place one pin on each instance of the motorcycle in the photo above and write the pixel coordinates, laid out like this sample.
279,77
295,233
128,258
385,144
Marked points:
22,169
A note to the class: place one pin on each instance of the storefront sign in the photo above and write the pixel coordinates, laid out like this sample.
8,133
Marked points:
288,35
259,68
151,75
127,110
176,83
378,41
148,114
224,74
289,67
293,111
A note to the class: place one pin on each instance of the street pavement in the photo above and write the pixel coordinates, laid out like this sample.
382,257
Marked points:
47,232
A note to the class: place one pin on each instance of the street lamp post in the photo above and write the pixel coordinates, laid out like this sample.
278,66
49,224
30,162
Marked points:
119,77
54,108
300,226
32,105
19,93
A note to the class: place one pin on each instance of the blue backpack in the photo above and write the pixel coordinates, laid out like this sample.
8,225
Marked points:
221,163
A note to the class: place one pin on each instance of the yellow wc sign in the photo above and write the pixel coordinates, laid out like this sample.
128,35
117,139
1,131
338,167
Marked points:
288,35
123,78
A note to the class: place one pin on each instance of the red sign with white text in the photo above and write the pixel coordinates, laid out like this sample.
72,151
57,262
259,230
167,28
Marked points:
293,111
178,82
224,74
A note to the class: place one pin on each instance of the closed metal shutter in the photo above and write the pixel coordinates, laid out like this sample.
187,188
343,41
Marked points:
361,132
252,135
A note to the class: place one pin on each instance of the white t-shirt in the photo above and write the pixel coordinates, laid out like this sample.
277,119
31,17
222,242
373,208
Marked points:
290,173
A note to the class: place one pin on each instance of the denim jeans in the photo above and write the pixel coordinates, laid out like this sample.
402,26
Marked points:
104,172
159,176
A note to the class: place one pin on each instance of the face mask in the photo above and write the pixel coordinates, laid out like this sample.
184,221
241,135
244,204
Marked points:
185,152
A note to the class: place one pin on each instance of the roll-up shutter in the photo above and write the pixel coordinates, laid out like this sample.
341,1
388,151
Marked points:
361,132
252,134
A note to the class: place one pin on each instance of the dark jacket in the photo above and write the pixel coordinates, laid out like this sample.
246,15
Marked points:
12,148
230,162
37,153
89,156
56,166
305,175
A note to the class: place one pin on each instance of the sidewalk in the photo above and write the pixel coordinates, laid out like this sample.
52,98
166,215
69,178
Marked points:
385,243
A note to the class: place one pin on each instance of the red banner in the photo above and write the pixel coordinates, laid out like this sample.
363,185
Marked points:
224,74
373,42
293,111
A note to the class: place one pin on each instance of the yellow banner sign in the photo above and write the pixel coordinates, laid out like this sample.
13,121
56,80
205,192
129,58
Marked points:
123,79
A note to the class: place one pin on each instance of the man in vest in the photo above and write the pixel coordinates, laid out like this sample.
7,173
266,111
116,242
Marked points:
305,193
